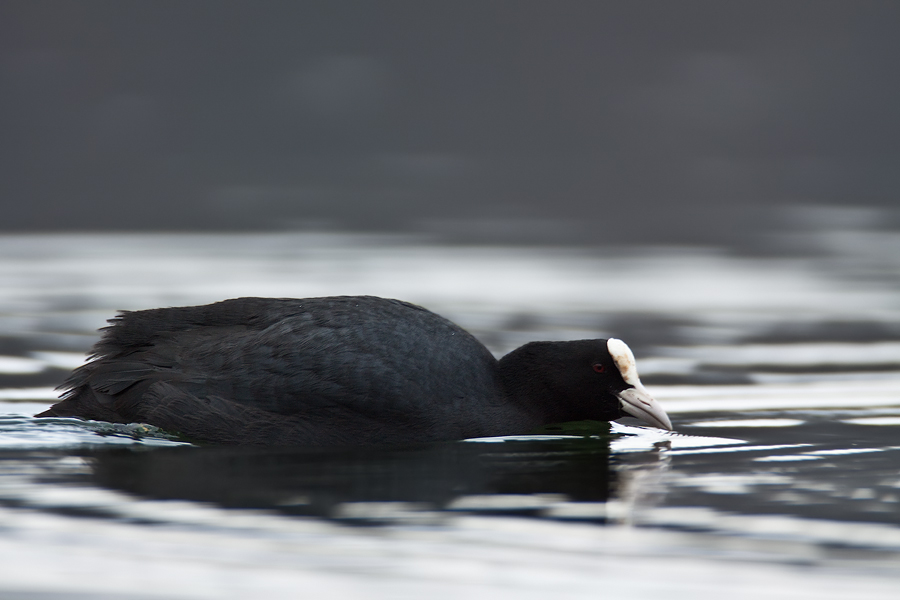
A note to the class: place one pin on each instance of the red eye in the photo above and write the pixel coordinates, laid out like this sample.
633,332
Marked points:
598,368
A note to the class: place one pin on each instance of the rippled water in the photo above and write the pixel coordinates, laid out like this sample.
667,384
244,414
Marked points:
781,375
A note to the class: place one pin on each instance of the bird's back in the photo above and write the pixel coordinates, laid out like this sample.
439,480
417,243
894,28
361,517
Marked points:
311,370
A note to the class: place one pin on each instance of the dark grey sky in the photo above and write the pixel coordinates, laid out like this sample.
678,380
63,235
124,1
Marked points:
660,119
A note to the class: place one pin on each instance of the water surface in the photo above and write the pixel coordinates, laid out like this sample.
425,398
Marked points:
781,375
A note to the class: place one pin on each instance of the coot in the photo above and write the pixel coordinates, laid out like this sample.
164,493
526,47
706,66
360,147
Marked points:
348,370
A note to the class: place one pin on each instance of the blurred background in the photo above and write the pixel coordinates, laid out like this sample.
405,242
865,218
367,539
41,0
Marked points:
714,182
589,122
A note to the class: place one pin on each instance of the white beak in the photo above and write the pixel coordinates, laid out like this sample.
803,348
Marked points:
637,402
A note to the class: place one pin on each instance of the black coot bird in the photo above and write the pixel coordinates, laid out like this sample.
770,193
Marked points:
341,371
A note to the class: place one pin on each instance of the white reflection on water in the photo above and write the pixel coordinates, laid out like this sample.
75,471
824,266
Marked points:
748,423
25,394
886,421
810,395
766,448
44,272
787,458
638,439
20,366
247,555
807,354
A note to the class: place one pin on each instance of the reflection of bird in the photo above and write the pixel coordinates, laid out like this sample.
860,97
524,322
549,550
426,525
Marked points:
339,371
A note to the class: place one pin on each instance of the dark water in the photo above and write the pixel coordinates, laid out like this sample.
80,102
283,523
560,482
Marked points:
781,375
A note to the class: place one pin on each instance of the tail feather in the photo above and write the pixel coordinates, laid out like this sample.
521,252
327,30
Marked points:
85,403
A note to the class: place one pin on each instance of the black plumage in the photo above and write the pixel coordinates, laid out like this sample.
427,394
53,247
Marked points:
330,371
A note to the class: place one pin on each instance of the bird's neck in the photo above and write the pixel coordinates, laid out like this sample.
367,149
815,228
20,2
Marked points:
528,387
